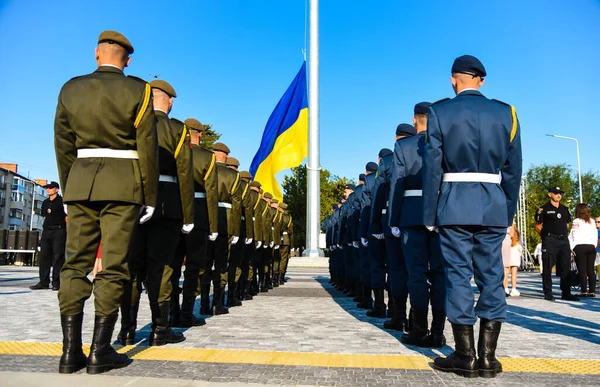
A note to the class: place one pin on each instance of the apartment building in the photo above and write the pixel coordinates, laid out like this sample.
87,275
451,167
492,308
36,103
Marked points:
20,200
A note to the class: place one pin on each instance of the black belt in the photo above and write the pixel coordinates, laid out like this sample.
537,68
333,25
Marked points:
556,236
57,227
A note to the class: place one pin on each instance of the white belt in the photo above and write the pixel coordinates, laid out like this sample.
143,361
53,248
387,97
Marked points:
472,177
224,205
107,153
273,228
384,211
200,195
285,233
413,192
167,179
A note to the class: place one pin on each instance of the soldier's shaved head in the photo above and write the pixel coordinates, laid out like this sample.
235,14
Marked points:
112,54
462,81
162,101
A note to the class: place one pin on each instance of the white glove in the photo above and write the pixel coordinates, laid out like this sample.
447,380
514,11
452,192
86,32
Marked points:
350,244
396,232
432,228
213,236
148,211
265,246
234,239
187,228
276,247
248,241
364,242
258,244
379,236
271,244
355,244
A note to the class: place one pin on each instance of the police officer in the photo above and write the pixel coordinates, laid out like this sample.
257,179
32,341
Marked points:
421,247
230,210
54,237
156,241
552,223
471,140
106,151
193,246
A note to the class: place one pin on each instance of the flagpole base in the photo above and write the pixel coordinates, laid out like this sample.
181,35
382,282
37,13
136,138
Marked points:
318,253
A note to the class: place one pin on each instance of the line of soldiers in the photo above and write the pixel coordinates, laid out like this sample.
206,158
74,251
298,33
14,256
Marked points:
138,180
429,217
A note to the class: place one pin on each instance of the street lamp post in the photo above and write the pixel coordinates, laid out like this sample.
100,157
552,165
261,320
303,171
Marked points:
578,162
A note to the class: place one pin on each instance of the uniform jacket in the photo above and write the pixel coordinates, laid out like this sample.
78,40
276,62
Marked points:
365,212
175,200
380,196
106,109
267,223
229,192
286,220
471,133
256,212
247,206
205,180
407,174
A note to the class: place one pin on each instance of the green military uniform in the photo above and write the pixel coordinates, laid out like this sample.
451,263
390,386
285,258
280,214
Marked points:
286,242
236,251
277,238
193,247
230,206
267,253
155,242
248,229
106,151
258,209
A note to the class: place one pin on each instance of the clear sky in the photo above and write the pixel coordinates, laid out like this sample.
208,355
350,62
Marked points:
230,62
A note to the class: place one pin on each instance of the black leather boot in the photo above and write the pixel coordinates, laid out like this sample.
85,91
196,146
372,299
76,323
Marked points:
438,340
231,298
103,356
379,309
72,359
390,311
218,307
463,361
246,294
264,287
282,280
489,331
367,299
162,333
175,311
418,334
359,292
187,318
268,281
398,321
205,308
275,280
126,335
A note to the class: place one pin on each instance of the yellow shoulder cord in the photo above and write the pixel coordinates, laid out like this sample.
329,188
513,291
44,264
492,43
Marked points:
140,114
290,222
515,122
211,167
245,191
235,183
184,134
266,209
258,201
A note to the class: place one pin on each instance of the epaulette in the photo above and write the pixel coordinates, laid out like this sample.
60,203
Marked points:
440,101
137,79
176,121
503,103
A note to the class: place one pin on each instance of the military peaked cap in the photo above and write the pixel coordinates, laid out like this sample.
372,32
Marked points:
385,151
422,108
232,161
220,147
245,174
405,130
194,124
255,184
468,64
114,37
164,86
283,206
371,166
268,195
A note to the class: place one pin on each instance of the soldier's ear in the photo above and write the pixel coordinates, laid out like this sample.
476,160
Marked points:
128,61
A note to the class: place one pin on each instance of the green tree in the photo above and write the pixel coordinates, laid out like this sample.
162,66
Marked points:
209,137
295,196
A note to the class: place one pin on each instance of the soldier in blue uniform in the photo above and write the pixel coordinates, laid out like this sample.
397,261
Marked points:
346,240
356,203
367,250
471,141
420,246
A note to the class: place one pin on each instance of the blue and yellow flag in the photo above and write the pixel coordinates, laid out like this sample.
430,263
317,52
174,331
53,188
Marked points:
284,143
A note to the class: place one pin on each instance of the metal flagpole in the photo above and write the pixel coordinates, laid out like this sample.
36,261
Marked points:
313,168
578,162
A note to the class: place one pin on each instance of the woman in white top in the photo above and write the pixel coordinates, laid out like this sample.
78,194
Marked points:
583,238
511,257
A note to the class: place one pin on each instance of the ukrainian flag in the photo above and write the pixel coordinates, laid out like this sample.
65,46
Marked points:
284,142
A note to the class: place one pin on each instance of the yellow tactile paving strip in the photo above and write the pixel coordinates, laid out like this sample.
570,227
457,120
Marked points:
531,365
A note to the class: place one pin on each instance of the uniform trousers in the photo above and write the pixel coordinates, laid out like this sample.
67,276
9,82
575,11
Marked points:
396,268
425,266
114,223
364,266
236,257
193,248
285,257
556,251
377,257
52,255
473,251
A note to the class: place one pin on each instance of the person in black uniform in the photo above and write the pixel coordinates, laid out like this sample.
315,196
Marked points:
54,237
552,222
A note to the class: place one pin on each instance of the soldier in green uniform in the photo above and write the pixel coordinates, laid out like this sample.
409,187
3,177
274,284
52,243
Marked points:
286,242
256,247
155,242
277,238
248,203
236,252
267,253
230,203
106,151
193,247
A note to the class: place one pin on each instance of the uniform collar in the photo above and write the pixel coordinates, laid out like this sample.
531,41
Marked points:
160,112
108,68
469,92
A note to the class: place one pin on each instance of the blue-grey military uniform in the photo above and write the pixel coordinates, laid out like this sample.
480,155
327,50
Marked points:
471,176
